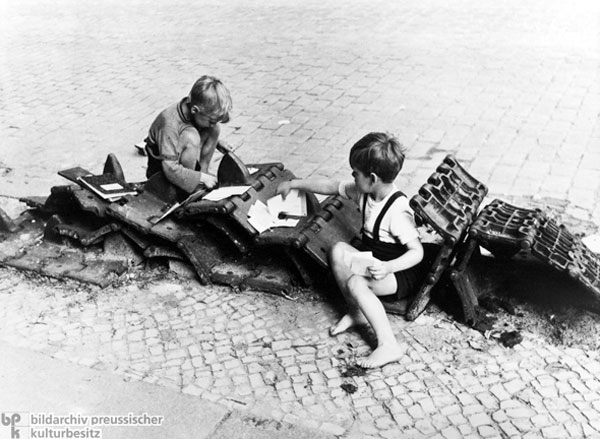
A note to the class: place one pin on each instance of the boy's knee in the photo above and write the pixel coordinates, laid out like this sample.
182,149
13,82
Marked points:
338,249
356,284
336,253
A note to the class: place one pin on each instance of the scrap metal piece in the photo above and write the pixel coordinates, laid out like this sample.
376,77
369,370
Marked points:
464,281
262,272
138,210
564,251
85,234
6,223
161,188
35,202
439,266
336,220
30,230
117,247
202,253
112,166
54,261
237,206
141,241
89,202
50,232
74,174
448,202
59,201
504,229
230,230
182,269
306,271
232,170
157,251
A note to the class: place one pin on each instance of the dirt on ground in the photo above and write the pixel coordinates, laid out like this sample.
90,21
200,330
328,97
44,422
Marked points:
525,295
516,295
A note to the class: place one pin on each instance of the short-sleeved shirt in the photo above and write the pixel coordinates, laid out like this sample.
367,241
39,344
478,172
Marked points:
398,224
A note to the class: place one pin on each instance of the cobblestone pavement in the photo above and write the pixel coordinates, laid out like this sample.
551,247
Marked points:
272,357
512,88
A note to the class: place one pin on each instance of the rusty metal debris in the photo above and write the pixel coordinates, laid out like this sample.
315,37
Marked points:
448,202
74,233
504,230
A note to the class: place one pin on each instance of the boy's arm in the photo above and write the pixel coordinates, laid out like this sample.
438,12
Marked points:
208,147
325,186
412,257
186,151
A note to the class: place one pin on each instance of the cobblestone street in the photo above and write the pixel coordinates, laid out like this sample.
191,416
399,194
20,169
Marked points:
273,358
511,88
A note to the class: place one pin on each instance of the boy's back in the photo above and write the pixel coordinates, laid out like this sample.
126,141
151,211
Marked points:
163,136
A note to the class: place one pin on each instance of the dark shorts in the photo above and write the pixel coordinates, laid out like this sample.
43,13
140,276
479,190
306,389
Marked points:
409,281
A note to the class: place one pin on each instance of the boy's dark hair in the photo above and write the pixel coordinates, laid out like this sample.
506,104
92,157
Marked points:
211,97
380,153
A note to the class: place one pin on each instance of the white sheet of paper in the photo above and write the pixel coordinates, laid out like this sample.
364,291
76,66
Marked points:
294,204
285,222
592,242
225,192
111,186
259,216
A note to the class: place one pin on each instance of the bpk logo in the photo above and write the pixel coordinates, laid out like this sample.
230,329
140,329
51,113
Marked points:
14,425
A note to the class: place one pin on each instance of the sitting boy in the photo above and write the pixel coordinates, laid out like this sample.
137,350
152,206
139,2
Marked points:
388,231
183,137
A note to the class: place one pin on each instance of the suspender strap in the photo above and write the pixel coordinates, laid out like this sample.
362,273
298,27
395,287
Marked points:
387,206
364,209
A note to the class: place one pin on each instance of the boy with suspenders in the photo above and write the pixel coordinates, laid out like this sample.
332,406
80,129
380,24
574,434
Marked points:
388,231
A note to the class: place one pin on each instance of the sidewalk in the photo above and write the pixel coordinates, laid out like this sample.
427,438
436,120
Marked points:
511,88
35,384
271,358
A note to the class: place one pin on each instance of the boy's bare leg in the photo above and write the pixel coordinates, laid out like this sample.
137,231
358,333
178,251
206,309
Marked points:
347,322
388,350
210,138
341,273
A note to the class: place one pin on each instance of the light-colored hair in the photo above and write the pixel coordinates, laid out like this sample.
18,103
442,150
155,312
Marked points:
211,97
378,153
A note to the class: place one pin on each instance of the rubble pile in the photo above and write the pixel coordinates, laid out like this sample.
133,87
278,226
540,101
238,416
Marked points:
76,233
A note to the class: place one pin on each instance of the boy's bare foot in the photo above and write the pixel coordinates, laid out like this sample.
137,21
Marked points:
381,356
345,323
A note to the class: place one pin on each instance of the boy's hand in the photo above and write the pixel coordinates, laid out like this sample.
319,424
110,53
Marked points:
210,181
378,270
284,188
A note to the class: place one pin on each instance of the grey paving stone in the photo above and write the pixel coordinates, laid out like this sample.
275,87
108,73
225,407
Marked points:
514,95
